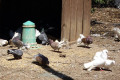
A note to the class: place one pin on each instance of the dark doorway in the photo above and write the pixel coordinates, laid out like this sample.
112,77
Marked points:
44,13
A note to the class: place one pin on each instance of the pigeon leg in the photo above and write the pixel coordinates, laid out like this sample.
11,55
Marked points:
101,69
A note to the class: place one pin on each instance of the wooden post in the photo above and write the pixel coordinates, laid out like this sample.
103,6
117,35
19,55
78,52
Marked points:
86,17
65,27
75,18
79,18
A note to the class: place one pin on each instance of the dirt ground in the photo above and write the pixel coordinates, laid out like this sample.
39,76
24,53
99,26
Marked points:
61,68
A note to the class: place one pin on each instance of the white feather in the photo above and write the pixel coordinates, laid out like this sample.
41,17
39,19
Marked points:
79,40
56,40
116,31
101,54
95,63
109,63
16,34
106,64
37,33
3,42
100,60
61,43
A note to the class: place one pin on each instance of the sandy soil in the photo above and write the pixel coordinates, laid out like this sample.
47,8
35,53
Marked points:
60,68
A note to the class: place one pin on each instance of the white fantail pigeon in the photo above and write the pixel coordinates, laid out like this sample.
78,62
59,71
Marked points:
100,60
101,54
93,64
105,64
109,64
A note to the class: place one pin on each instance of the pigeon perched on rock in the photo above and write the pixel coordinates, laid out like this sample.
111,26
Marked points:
56,45
43,60
16,53
43,37
85,40
3,42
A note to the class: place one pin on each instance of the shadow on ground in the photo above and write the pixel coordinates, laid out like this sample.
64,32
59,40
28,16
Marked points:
56,73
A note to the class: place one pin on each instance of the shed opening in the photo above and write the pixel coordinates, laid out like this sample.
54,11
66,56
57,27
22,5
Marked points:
44,13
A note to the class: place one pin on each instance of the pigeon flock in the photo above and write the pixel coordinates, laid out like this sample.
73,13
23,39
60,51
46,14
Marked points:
100,60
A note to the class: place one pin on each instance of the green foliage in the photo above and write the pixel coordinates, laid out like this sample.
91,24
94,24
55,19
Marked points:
92,10
100,3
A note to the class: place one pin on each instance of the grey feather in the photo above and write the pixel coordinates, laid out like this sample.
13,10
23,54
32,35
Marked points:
16,53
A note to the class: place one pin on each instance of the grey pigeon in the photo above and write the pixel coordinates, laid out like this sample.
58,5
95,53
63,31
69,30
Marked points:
41,59
18,43
16,53
43,37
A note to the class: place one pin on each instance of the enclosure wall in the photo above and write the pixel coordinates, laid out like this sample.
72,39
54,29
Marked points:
75,18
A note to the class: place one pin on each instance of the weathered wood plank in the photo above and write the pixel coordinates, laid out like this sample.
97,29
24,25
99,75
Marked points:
79,18
65,27
86,18
73,19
